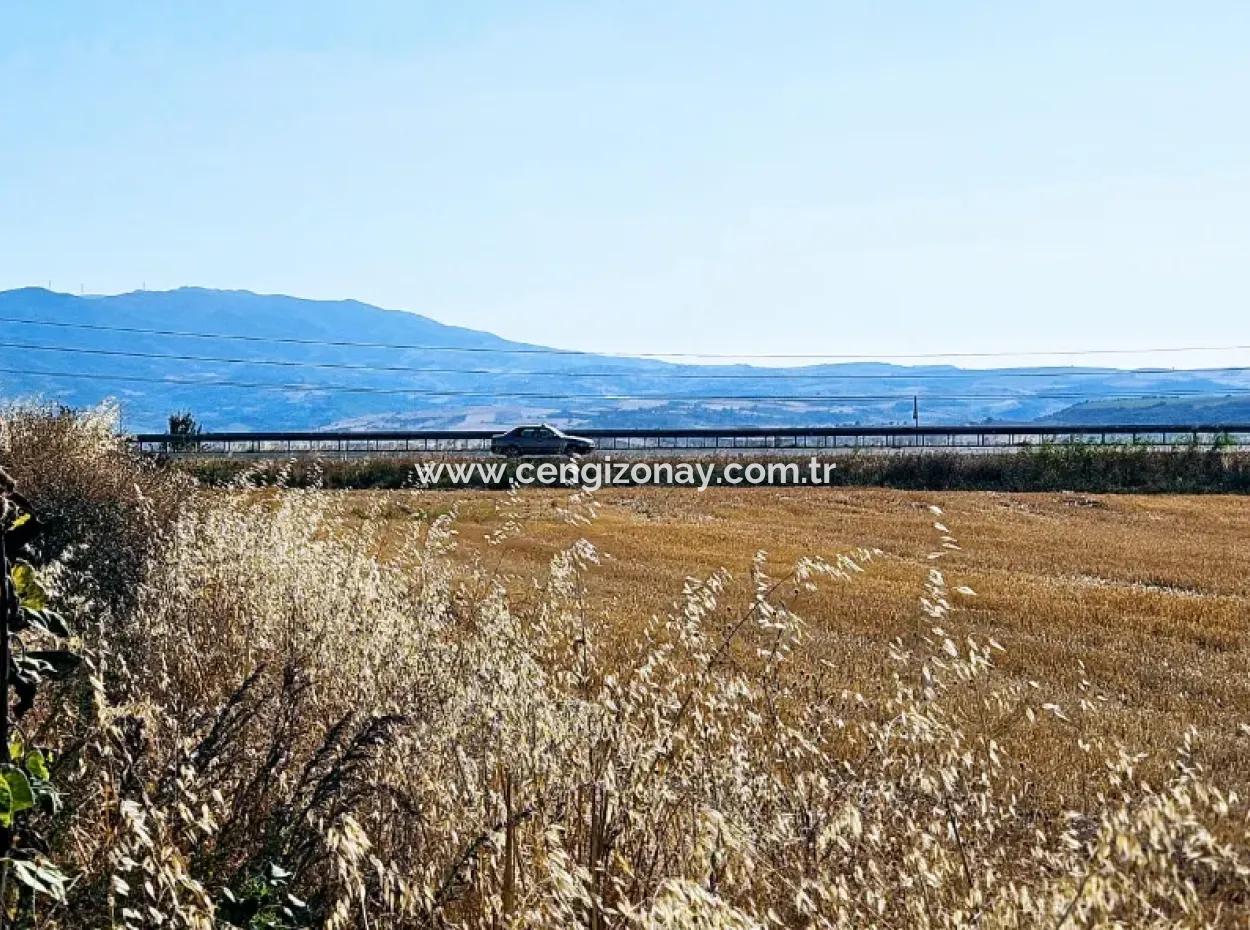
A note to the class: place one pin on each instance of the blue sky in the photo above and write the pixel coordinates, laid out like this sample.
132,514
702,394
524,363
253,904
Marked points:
675,176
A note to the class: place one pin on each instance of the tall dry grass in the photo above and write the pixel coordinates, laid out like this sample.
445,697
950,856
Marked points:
109,507
286,729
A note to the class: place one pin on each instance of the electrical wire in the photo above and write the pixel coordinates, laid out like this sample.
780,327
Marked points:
699,398
720,376
540,350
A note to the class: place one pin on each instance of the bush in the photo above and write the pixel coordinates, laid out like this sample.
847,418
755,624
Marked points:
103,507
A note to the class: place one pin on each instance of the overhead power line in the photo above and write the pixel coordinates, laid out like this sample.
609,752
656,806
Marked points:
699,398
540,350
730,376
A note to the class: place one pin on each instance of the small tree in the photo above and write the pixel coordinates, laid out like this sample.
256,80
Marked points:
183,429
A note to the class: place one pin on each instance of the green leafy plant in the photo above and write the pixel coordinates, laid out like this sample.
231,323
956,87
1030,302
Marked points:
1224,442
263,902
26,785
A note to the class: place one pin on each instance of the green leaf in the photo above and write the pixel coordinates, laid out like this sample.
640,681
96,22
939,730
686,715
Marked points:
57,624
21,531
47,621
40,875
30,593
37,765
25,685
51,663
6,805
47,798
278,873
20,796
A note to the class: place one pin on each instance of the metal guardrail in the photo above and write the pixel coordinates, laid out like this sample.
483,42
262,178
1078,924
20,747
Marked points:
701,439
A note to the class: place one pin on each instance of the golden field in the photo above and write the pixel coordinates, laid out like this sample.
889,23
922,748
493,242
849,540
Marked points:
1137,602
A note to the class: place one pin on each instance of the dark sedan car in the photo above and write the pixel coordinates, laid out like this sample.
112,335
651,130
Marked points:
539,440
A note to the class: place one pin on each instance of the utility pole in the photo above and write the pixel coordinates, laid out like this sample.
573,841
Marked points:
915,410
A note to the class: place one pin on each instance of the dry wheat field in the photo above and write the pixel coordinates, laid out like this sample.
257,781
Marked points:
1139,600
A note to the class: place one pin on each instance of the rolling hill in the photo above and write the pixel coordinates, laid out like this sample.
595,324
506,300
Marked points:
307,364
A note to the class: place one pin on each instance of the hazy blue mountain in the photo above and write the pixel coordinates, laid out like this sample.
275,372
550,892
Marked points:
275,385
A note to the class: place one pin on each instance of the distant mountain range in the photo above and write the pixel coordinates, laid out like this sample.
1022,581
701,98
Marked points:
311,364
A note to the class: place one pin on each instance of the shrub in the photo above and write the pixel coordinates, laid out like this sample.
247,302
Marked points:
184,428
103,508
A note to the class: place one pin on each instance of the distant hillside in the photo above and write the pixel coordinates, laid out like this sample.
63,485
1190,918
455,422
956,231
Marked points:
1146,410
299,364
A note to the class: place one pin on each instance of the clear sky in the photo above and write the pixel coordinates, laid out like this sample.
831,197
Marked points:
638,176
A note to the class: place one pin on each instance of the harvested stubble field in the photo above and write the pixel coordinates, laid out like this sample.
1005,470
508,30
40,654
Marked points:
1138,603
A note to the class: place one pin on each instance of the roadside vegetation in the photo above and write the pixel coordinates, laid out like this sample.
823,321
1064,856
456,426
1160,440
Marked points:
1197,469
304,708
